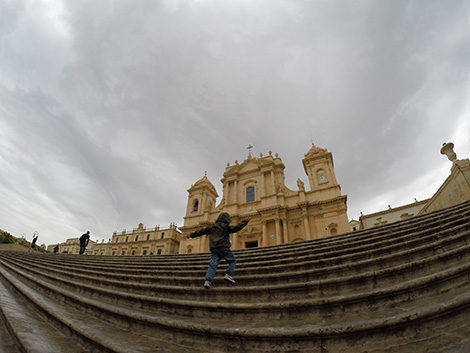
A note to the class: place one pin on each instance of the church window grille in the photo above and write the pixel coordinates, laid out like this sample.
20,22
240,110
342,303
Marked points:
127,238
163,235
148,236
159,251
136,237
195,205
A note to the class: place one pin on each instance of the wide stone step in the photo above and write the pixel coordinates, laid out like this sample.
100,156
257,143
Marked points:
300,269
97,335
259,335
348,278
32,332
299,309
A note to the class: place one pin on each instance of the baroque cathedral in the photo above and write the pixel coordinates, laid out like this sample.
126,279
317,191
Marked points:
255,190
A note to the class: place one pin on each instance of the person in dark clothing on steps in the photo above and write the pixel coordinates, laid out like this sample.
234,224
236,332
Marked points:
219,243
84,239
33,243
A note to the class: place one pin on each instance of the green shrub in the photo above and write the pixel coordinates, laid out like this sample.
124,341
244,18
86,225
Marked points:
6,238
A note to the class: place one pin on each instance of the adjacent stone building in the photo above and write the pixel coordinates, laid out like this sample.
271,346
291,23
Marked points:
141,241
255,190
71,246
390,215
456,188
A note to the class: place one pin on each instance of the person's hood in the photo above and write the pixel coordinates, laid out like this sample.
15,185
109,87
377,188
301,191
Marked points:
224,217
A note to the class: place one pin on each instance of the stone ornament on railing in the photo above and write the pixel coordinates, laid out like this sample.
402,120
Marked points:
448,149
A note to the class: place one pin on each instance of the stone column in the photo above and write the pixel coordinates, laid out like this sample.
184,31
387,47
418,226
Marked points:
235,241
265,234
235,186
262,192
278,232
307,225
204,243
285,237
272,182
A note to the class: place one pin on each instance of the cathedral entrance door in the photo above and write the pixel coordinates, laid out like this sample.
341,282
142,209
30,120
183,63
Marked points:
251,244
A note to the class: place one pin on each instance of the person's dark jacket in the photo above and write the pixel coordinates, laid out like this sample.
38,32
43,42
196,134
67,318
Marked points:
219,232
84,239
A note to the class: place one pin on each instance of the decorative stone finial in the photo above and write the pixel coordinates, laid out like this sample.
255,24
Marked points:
261,155
236,162
228,164
448,149
277,155
270,153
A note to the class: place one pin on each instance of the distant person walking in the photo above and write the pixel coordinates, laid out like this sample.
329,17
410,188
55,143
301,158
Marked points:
33,243
84,239
219,243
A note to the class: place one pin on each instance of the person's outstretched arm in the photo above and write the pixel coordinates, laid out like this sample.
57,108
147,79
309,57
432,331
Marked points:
199,232
236,228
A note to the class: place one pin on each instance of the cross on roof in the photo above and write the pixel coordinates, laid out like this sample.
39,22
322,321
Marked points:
249,148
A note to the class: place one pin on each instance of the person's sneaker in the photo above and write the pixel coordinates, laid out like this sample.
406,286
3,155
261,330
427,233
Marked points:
207,284
229,279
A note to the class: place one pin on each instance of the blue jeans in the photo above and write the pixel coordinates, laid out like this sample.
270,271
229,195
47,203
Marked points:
216,256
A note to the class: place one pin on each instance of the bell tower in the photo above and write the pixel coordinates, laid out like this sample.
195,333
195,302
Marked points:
201,198
318,165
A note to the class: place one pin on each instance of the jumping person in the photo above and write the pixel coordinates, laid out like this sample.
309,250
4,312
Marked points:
84,239
219,242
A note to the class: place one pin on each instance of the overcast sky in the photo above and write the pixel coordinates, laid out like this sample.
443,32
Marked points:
110,110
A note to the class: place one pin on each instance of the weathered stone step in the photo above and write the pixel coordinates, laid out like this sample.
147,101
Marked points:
355,236
430,286
33,333
278,252
7,343
306,253
349,278
97,335
304,268
263,336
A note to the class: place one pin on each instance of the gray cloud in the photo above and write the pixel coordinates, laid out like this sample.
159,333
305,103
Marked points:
108,116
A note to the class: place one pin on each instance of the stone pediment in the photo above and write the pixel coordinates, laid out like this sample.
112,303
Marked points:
249,165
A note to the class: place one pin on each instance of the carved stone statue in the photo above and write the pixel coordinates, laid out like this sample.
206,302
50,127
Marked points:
300,185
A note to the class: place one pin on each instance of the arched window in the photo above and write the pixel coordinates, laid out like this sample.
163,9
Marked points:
195,205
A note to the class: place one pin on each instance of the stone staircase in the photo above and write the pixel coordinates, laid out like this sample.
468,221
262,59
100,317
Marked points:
403,287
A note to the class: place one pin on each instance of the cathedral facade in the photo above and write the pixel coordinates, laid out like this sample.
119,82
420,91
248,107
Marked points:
255,190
